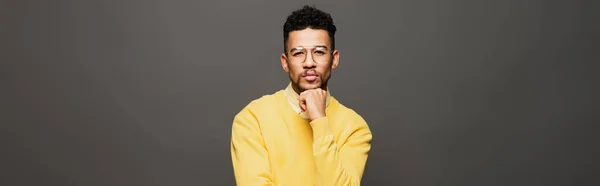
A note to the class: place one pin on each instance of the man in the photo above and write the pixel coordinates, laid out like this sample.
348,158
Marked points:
301,135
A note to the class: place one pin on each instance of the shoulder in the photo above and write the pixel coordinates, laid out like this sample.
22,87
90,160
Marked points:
259,104
246,121
345,111
349,123
348,114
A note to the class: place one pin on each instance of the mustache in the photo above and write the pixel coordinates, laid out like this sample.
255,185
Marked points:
310,71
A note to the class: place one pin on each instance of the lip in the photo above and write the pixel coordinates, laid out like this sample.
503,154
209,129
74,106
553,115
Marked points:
311,77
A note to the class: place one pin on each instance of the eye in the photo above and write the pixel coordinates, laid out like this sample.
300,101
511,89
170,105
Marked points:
318,52
297,53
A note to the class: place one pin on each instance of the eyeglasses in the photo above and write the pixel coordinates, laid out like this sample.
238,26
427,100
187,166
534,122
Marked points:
320,54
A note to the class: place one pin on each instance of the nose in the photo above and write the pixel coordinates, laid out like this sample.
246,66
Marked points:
309,62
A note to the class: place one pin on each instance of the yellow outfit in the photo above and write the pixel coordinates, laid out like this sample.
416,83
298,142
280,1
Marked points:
272,144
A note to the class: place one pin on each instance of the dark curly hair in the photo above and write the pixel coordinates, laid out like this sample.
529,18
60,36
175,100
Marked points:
308,17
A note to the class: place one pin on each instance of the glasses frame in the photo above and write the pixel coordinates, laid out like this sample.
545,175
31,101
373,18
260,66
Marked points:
309,50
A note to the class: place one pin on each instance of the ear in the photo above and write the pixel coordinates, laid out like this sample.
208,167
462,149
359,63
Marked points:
284,63
336,59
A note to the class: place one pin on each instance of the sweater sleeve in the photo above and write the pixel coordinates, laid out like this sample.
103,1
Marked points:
341,165
248,153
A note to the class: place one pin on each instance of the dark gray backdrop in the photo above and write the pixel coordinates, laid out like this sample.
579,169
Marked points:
144,92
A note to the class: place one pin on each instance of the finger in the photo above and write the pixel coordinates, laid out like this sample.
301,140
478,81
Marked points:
318,93
302,105
305,95
302,96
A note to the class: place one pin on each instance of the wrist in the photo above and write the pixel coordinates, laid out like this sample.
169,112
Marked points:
318,116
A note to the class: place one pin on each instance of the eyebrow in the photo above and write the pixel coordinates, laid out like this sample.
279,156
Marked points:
316,46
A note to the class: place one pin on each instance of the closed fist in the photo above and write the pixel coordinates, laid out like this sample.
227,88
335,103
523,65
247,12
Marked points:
313,102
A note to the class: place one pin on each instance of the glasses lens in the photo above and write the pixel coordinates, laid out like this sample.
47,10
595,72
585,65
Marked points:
321,55
297,55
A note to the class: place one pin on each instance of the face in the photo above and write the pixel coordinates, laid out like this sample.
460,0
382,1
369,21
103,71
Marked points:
309,59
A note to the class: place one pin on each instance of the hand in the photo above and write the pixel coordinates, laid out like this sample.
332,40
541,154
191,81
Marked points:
313,102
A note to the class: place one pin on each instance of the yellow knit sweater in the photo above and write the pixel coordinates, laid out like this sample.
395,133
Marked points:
271,144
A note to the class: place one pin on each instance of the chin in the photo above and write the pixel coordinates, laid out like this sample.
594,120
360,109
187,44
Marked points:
308,86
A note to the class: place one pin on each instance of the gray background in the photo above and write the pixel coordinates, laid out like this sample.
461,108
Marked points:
144,92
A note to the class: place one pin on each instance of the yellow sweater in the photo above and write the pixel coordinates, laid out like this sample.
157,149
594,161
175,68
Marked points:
272,145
